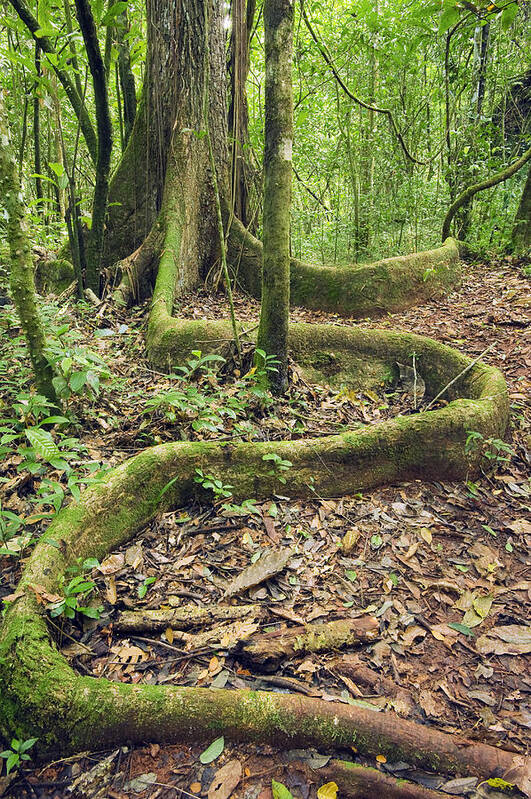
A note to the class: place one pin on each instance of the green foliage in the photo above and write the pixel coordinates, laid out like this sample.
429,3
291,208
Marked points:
219,489
279,465
493,450
199,400
79,371
17,753
144,586
75,594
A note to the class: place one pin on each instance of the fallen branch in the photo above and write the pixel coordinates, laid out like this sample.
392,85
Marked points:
467,368
350,667
184,618
362,782
266,651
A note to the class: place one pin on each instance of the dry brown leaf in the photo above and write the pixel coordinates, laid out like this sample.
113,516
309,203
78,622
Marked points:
349,540
133,556
111,593
510,639
225,780
270,563
112,564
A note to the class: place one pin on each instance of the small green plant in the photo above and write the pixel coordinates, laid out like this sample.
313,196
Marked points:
279,466
199,363
75,592
211,483
144,586
17,753
493,450
79,371
247,508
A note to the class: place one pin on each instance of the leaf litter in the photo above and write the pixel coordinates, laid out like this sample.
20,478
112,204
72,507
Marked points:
442,567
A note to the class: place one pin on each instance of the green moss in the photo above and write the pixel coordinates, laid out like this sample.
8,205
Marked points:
360,290
54,276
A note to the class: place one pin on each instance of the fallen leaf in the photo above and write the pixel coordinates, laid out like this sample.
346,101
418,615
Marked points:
511,639
280,791
327,791
349,540
225,780
213,751
110,591
272,562
133,556
112,564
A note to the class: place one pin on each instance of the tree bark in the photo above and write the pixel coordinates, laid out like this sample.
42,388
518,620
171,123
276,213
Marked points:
22,279
242,21
127,79
103,160
521,236
278,147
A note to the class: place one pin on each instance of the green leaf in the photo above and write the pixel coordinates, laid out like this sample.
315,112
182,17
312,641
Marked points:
280,791
461,628
509,15
77,381
12,761
113,12
42,442
449,17
351,575
213,751
57,168
55,420
90,612
25,745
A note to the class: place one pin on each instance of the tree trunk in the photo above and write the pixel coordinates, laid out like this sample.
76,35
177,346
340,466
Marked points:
242,21
521,237
37,132
127,79
274,314
22,279
103,160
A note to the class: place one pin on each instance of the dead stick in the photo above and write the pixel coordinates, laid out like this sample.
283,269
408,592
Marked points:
456,378
183,618
265,651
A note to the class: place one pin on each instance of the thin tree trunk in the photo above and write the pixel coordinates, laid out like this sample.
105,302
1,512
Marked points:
127,79
242,22
521,236
103,161
37,132
22,279
274,315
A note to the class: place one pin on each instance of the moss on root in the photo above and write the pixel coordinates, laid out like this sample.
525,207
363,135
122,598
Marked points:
43,697
360,290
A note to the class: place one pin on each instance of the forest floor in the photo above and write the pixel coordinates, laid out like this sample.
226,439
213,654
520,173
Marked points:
443,567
